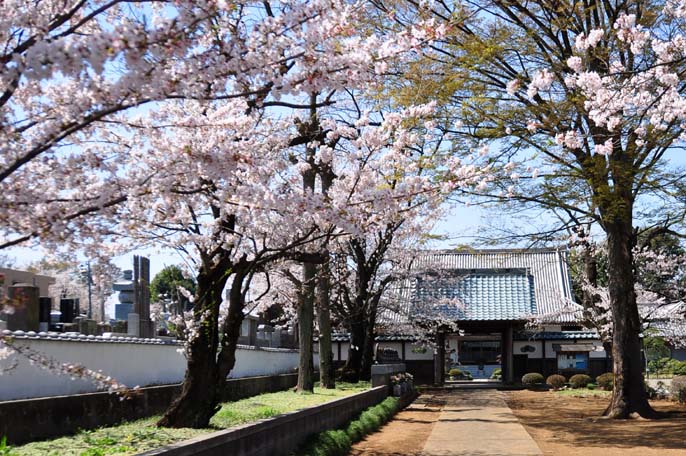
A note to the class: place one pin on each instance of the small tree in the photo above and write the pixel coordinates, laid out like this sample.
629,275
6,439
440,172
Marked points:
173,285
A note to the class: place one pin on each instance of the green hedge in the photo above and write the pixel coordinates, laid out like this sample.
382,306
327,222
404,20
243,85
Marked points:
339,441
666,366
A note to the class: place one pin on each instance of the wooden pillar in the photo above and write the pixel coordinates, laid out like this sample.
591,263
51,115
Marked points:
439,359
507,358
545,369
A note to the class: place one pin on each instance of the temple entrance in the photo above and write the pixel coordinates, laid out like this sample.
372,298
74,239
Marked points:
480,348
477,356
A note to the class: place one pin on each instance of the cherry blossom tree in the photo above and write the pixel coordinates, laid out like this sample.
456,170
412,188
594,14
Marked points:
659,272
580,105
205,167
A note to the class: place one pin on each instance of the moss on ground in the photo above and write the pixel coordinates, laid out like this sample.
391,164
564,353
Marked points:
142,435
582,392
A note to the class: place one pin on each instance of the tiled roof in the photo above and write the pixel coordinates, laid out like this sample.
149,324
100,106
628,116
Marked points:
500,285
557,335
345,337
482,295
76,337
552,283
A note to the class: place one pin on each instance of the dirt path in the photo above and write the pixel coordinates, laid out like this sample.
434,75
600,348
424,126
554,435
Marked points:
407,432
570,426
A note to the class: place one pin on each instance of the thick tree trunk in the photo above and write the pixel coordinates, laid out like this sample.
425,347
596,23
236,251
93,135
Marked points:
326,370
351,370
305,329
200,396
201,389
368,347
629,396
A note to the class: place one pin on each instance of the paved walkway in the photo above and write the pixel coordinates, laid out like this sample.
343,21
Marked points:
477,423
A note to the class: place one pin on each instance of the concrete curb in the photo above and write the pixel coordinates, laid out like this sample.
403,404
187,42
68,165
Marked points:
278,435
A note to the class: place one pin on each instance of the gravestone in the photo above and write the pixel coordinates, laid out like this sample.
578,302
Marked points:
126,297
44,309
25,305
141,293
70,309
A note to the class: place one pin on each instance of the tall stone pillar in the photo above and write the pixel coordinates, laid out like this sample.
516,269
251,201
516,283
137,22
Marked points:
141,292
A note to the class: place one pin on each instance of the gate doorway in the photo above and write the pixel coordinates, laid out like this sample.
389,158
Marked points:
479,356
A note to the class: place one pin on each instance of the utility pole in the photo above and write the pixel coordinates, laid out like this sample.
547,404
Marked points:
90,299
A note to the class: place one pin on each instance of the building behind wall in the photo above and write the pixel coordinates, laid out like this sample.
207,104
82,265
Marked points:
9,277
499,292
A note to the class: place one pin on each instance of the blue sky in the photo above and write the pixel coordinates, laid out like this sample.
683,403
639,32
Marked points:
459,227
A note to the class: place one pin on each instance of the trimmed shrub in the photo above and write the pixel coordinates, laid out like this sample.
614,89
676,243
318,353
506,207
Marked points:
591,386
497,374
455,373
580,380
533,378
606,381
678,388
556,381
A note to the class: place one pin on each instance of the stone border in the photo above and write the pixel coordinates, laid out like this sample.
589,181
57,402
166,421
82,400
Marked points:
279,435
28,420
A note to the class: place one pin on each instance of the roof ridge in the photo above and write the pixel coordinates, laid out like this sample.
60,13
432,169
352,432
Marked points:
473,251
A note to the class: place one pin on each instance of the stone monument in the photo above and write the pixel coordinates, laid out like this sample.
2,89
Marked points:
125,288
141,292
24,300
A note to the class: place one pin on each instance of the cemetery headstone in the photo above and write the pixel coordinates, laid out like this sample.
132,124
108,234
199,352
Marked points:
24,301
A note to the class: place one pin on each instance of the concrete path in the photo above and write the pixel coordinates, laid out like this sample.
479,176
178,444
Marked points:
478,423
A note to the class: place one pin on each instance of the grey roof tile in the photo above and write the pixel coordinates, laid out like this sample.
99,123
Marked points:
482,295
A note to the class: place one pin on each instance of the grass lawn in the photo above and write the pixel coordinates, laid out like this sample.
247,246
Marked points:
583,392
142,435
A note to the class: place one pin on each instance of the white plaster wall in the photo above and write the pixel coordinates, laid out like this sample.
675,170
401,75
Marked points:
452,342
266,361
344,351
129,363
411,355
537,344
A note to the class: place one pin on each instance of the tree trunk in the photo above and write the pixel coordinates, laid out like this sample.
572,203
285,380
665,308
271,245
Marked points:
368,347
305,329
200,396
629,395
201,390
326,370
232,325
351,370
